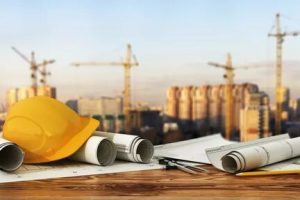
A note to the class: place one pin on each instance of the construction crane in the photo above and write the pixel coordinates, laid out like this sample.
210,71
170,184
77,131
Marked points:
129,61
34,67
279,35
44,72
229,77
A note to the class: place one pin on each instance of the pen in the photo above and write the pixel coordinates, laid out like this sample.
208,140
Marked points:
266,173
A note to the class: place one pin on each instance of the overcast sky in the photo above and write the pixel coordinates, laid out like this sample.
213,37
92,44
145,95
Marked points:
173,41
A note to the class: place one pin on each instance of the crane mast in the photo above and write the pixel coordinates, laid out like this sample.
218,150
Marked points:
128,62
229,96
127,88
229,104
279,35
34,67
229,77
44,72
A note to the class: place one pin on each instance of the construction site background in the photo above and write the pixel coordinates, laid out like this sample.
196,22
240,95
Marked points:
200,110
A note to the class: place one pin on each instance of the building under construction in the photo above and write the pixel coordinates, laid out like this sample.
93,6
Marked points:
107,110
200,110
145,121
18,94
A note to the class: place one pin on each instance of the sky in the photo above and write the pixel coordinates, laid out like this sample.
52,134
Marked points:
173,41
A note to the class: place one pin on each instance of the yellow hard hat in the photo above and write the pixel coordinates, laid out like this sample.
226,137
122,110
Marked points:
46,129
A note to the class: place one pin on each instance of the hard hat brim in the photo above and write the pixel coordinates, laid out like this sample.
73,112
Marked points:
71,146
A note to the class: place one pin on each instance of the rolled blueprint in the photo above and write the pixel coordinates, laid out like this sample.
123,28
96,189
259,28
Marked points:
261,155
11,156
97,150
130,147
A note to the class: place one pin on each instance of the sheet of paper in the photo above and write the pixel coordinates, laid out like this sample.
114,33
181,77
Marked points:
130,147
191,150
250,155
68,168
290,164
11,155
97,150
187,150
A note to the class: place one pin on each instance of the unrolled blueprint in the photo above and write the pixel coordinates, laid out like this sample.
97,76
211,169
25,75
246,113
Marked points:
191,150
255,154
187,150
68,168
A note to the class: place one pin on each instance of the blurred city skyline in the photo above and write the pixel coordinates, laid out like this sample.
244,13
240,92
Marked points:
172,40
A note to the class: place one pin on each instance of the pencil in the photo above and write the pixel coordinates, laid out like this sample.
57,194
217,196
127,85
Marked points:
266,173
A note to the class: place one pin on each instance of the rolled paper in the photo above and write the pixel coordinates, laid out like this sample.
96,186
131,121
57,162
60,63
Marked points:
97,150
253,157
11,156
130,147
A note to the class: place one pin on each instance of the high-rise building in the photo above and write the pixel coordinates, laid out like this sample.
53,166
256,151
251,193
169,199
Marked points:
108,110
285,99
17,94
202,108
254,117
185,103
239,95
100,106
11,97
215,108
265,116
46,91
172,108
185,109
294,109
145,118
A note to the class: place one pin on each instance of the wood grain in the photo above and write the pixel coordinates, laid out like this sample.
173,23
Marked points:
161,184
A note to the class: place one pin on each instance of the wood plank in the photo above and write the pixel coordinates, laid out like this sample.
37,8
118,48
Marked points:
157,183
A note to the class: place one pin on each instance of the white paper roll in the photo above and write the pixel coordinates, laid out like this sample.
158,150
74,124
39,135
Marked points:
130,147
11,156
253,157
97,150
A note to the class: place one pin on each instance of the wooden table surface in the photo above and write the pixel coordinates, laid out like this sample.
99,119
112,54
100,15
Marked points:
157,184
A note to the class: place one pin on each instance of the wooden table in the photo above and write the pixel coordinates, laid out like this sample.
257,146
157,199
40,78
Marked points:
159,184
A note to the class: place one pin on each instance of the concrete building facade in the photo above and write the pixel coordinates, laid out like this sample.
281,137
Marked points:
204,106
17,94
254,117
108,110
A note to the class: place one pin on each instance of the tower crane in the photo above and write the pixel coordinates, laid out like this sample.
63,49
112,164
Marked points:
279,36
44,72
34,67
129,61
229,77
